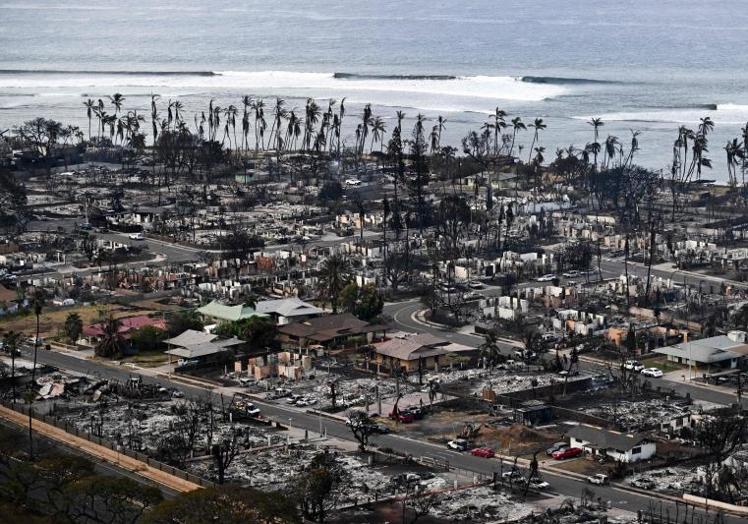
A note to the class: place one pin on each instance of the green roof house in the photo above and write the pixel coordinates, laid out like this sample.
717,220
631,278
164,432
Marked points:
215,312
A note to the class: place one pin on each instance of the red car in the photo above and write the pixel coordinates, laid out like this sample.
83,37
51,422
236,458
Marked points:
403,416
567,453
483,452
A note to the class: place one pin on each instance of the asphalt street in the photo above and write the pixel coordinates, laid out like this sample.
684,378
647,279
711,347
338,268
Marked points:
560,483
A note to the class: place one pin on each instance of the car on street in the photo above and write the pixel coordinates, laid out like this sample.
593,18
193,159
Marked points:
563,454
352,182
513,474
598,478
474,284
136,236
458,444
379,428
546,278
652,372
556,446
483,452
539,484
403,416
633,365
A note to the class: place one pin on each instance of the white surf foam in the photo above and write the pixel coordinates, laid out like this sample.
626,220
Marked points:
727,114
474,93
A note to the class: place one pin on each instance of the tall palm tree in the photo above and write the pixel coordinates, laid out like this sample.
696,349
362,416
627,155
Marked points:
258,106
246,103
10,341
517,125
611,144
365,123
117,100
440,121
154,117
377,132
110,343
311,117
596,124
538,125
37,303
90,105
334,276
339,127
498,124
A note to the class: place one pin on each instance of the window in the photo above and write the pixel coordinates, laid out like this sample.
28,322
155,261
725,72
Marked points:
636,450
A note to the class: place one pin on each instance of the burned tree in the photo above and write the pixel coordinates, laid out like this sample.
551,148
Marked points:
223,455
361,426
319,487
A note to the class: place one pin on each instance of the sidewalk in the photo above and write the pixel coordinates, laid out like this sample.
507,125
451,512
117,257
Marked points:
101,453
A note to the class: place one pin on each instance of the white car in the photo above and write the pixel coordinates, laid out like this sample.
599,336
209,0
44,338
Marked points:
352,182
633,365
136,236
539,484
652,372
546,278
598,478
458,444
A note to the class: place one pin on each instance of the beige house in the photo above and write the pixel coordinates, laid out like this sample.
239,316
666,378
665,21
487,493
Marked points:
410,352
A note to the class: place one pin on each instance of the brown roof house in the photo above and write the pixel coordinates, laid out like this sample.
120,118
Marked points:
329,331
411,352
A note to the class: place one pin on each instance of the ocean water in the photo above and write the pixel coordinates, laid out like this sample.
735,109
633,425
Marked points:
641,65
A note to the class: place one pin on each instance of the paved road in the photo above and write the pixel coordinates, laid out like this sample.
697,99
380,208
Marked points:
563,484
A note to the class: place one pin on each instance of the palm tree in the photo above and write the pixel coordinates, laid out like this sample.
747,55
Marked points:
596,124
498,125
117,100
110,343
37,303
377,132
517,125
489,350
440,121
10,341
611,144
90,105
334,276
154,118
365,122
538,125
73,326
311,117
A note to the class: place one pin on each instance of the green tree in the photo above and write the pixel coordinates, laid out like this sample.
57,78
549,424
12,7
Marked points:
73,327
148,338
182,321
259,332
37,304
10,342
110,342
334,276
364,302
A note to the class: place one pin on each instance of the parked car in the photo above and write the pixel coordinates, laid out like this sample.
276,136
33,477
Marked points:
556,446
458,444
652,372
474,284
483,452
546,278
633,365
513,474
403,416
598,478
136,236
567,453
379,428
539,484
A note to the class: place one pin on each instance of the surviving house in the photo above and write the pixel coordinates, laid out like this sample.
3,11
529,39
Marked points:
198,349
92,333
621,447
216,312
287,310
329,331
723,351
411,352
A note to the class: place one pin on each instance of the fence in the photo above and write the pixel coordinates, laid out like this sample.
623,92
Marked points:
66,427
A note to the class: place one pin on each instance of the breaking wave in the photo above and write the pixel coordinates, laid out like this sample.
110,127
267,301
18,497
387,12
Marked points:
442,92
558,80
730,114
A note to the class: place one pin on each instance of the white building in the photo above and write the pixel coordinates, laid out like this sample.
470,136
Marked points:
618,446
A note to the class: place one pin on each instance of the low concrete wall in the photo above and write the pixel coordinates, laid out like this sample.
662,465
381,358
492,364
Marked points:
702,501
